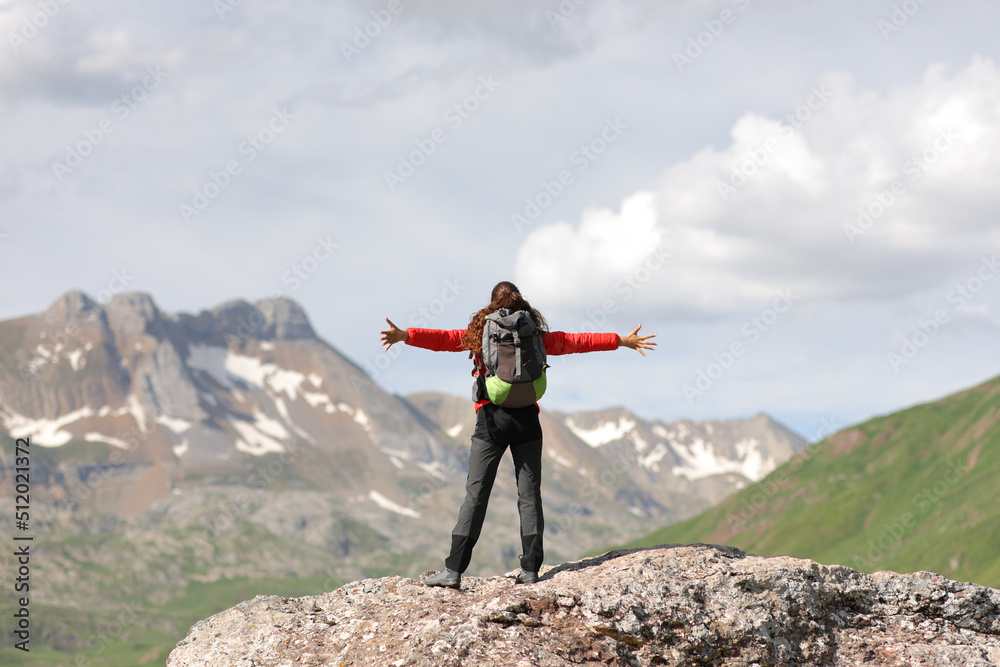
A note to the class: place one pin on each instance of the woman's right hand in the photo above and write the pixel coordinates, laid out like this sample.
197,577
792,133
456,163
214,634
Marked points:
637,342
393,335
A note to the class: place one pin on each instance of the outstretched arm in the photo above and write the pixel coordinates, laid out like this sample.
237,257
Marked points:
393,335
440,340
637,342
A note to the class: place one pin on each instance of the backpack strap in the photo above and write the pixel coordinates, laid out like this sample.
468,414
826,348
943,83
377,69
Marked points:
478,365
517,348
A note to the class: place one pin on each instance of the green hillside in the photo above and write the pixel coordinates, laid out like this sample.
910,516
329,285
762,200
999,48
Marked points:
915,490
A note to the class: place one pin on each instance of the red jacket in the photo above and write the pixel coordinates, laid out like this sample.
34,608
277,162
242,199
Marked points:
556,342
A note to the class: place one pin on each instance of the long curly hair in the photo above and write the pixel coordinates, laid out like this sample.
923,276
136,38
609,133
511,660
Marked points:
504,295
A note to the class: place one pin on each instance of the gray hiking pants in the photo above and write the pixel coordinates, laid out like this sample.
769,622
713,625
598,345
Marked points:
496,429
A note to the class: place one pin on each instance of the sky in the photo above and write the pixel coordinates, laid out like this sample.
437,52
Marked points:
797,197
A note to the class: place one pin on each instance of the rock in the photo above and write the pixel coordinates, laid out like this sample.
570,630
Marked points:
268,319
133,314
668,605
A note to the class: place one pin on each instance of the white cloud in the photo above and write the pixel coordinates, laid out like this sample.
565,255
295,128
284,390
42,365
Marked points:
779,207
72,53
559,262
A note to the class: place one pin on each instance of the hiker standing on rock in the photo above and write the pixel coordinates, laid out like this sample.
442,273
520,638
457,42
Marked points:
509,343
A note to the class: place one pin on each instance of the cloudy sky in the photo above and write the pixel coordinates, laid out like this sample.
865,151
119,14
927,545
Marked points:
798,197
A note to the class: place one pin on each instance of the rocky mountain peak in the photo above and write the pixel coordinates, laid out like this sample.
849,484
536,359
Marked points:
286,319
73,305
132,314
668,605
266,319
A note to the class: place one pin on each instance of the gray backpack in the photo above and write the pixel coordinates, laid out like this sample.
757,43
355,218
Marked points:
513,358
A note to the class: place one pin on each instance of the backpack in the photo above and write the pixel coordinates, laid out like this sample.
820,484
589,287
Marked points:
513,359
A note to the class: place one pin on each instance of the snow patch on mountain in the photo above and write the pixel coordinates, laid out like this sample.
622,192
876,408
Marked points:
604,433
224,365
387,504
316,400
44,432
699,460
181,449
652,460
94,436
640,443
280,379
75,361
253,440
134,407
437,469
558,458
211,360
358,414
269,426
174,424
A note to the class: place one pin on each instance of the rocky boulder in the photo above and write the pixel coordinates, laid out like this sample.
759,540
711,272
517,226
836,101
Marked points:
668,605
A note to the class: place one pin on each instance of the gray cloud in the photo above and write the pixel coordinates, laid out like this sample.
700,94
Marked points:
354,120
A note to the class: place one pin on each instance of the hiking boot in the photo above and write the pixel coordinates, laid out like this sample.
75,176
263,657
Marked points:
446,577
525,577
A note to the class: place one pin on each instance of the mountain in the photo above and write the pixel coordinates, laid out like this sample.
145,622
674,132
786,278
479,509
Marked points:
918,489
152,399
175,455
673,605
655,469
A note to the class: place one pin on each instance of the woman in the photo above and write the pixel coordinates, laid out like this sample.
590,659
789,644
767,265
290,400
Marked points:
498,427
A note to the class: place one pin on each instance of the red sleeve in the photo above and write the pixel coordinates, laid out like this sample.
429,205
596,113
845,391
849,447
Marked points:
560,342
438,340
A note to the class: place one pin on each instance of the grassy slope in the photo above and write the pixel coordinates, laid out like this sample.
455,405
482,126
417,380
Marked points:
915,490
112,646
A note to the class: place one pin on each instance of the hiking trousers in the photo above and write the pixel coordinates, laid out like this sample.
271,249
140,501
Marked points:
496,429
